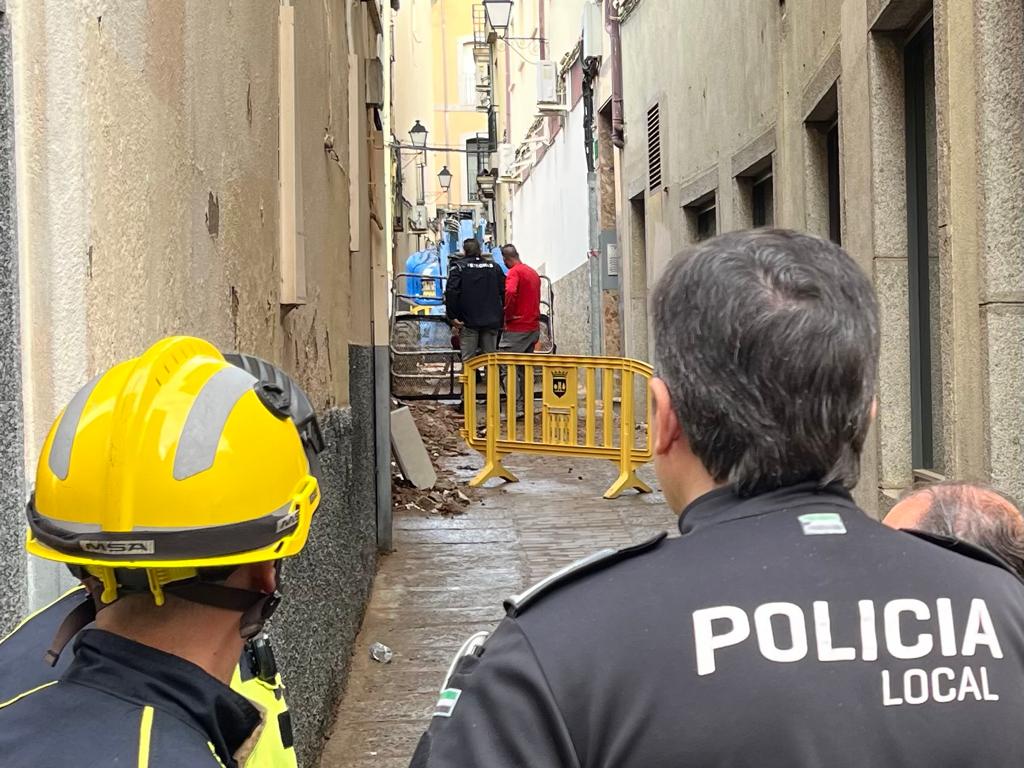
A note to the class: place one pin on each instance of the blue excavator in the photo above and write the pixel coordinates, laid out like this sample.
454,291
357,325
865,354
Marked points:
424,353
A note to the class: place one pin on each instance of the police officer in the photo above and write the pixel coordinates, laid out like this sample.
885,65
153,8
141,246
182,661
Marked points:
475,301
172,485
783,627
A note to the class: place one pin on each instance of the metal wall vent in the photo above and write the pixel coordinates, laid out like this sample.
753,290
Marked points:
654,170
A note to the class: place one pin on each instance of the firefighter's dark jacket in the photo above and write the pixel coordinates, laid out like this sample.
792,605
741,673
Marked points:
787,630
475,294
116,703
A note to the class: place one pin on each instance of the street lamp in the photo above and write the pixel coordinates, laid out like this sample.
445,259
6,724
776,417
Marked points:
499,14
418,136
485,182
445,179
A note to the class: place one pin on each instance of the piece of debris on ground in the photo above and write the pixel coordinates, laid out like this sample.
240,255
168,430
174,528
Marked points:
439,425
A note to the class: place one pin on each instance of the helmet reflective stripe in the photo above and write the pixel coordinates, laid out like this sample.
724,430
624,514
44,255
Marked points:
204,425
64,438
165,543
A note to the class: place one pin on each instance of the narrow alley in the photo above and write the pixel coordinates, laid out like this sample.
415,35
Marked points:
447,579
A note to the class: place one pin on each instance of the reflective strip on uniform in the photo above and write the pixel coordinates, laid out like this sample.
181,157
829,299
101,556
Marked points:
21,696
205,423
64,437
145,729
213,751
142,544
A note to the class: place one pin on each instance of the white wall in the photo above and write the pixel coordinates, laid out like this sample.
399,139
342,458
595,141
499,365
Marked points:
550,218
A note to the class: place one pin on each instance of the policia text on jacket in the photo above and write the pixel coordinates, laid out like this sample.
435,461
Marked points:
899,630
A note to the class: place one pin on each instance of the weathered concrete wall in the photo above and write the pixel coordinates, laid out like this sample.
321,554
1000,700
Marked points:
783,59
704,125
572,326
148,173
12,478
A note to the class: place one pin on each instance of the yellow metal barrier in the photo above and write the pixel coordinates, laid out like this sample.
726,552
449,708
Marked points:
573,420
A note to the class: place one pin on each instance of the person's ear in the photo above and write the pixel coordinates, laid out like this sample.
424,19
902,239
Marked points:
666,429
258,577
874,409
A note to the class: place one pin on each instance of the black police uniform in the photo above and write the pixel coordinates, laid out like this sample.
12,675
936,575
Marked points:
113,702
475,294
787,630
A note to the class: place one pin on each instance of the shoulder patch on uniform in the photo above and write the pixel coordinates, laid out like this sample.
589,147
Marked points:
516,604
961,547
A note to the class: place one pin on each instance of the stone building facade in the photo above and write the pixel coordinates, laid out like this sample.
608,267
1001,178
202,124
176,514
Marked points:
893,126
215,169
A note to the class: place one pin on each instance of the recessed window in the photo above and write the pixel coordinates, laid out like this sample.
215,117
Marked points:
923,278
763,201
835,204
825,187
702,217
707,222
476,158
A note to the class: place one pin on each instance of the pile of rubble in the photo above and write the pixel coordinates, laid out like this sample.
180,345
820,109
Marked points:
445,498
439,427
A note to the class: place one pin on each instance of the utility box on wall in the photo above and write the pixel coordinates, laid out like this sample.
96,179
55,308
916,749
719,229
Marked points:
593,30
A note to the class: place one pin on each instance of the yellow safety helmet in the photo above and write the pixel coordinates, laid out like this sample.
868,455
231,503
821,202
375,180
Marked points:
173,462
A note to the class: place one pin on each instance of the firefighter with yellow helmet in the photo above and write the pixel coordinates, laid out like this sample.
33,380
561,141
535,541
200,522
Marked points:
172,486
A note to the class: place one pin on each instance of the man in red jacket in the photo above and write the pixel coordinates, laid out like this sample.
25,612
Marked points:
522,311
522,304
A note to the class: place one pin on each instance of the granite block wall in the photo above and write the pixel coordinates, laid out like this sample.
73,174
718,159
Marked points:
12,481
327,586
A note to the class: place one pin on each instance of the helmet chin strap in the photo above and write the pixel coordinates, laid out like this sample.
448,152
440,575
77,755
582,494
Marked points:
256,607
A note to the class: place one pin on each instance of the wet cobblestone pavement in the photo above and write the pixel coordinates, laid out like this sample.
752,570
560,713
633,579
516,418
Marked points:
447,578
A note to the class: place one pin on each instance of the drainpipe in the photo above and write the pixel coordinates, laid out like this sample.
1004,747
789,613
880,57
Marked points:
542,28
613,27
380,329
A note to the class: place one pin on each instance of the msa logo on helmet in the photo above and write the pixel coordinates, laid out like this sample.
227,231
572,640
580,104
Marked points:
288,521
140,547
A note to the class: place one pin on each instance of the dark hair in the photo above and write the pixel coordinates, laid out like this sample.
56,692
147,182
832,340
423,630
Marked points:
509,250
471,247
768,343
977,514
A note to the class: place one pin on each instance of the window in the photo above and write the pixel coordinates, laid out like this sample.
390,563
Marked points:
922,254
835,209
476,159
707,224
702,217
755,200
824,181
763,201
467,75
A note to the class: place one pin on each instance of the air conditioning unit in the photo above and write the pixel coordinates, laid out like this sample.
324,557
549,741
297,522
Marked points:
483,100
418,219
547,82
506,158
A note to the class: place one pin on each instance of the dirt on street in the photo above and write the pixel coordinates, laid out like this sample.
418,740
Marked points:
439,426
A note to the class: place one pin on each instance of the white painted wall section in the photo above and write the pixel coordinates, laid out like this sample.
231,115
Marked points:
550,218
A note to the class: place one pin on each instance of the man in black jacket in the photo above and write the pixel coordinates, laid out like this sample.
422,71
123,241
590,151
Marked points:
475,301
783,627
